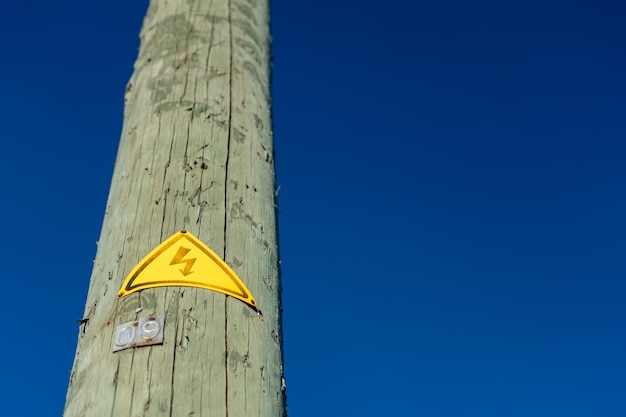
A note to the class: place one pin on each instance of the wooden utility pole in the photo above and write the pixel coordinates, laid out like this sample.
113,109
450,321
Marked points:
196,154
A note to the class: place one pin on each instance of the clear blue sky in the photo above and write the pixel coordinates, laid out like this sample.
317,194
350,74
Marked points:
453,200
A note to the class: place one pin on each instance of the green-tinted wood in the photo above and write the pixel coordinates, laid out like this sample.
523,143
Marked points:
196,154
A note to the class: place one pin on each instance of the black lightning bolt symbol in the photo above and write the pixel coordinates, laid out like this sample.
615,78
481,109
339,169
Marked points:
178,259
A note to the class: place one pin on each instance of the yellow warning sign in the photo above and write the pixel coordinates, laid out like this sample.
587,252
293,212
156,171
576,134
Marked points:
183,260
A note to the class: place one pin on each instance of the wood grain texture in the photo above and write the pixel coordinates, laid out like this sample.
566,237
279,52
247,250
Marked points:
196,153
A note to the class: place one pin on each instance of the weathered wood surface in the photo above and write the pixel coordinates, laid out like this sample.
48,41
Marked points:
196,154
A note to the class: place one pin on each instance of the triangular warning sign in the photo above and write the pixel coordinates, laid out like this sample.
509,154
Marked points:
183,260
